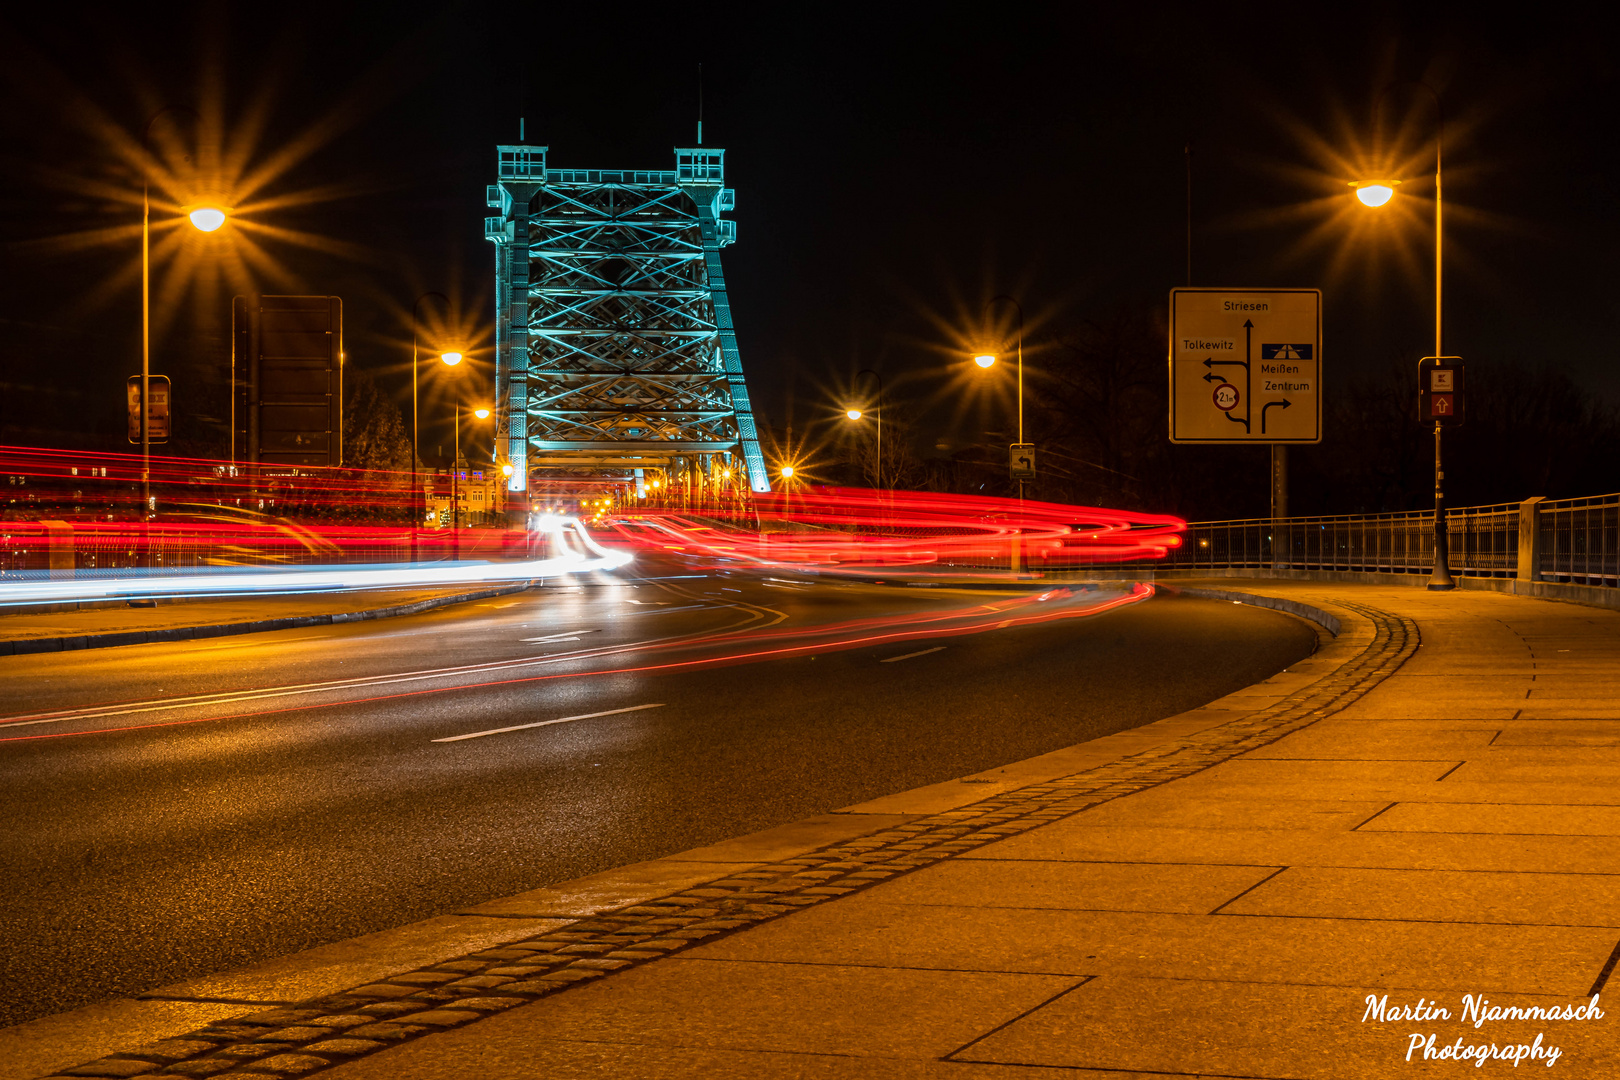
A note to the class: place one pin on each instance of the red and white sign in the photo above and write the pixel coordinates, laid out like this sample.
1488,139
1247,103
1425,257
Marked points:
1226,397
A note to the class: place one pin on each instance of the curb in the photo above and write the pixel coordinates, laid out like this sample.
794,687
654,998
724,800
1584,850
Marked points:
1292,607
28,646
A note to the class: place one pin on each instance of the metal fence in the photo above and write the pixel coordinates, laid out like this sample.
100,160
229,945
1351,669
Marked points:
1578,540
1575,541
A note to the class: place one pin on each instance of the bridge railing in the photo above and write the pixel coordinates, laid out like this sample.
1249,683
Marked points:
1573,541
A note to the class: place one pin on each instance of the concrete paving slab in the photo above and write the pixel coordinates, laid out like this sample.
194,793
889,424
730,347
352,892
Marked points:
448,1055
1173,809
1555,755
1260,771
370,958
1558,686
1567,794
797,1008
1257,847
1500,768
1601,730
866,930
1438,896
41,1047
1343,740
1166,887
1306,1032
1510,819
1593,709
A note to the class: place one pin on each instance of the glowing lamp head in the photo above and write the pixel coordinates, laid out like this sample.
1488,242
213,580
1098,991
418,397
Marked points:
853,414
451,359
787,472
482,414
507,470
984,361
207,218
1375,192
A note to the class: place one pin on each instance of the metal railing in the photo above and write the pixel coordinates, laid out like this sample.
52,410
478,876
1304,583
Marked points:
1578,540
1574,541
1484,543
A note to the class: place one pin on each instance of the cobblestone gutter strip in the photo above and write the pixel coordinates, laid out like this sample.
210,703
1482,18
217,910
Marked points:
21,646
303,1039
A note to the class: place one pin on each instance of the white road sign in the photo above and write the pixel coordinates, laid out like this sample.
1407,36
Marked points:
1246,365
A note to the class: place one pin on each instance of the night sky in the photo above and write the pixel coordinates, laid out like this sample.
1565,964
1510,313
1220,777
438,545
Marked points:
895,166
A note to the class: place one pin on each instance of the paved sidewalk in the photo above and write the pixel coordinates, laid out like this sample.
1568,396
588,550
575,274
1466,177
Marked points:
1423,810
103,625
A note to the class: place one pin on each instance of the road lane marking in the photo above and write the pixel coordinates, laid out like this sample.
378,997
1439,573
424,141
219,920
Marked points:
909,655
548,723
572,635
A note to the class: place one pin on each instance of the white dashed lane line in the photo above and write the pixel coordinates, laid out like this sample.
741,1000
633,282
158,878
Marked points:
548,723
910,655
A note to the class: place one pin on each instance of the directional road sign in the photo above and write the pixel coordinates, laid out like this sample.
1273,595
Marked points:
1246,365
1441,400
1021,461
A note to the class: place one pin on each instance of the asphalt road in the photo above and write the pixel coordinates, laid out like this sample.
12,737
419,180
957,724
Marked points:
179,809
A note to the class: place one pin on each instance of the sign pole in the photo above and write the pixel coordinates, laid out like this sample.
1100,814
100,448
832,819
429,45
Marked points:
146,346
1279,503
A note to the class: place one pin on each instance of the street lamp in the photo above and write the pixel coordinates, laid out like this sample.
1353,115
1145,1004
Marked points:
417,507
986,361
1377,193
856,414
206,219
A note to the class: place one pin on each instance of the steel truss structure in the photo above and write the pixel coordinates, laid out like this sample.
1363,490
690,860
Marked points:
615,351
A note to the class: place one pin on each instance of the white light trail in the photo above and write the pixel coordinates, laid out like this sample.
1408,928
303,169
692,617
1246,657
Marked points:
237,581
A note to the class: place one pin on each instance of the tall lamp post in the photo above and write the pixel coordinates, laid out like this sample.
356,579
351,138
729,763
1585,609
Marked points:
856,414
987,361
1377,193
418,503
450,360
205,219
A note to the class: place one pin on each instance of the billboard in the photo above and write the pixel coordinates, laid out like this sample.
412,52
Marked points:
287,363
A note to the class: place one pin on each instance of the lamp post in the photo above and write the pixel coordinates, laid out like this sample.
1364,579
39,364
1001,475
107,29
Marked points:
856,414
450,360
987,361
1378,193
416,433
206,219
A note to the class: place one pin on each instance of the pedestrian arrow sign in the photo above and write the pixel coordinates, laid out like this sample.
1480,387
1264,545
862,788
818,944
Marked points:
1021,461
1245,365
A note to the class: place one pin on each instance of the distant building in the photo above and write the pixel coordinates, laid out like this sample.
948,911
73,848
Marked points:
481,492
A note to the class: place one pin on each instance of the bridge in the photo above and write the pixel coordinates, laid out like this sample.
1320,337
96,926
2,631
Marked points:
616,354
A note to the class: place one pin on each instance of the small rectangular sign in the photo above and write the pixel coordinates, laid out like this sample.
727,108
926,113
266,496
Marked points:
1021,461
157,413
1441,398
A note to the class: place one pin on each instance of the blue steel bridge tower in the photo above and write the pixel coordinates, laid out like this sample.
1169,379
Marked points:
614,346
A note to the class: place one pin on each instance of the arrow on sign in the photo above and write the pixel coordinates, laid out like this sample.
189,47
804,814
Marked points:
1212,364
1284,403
